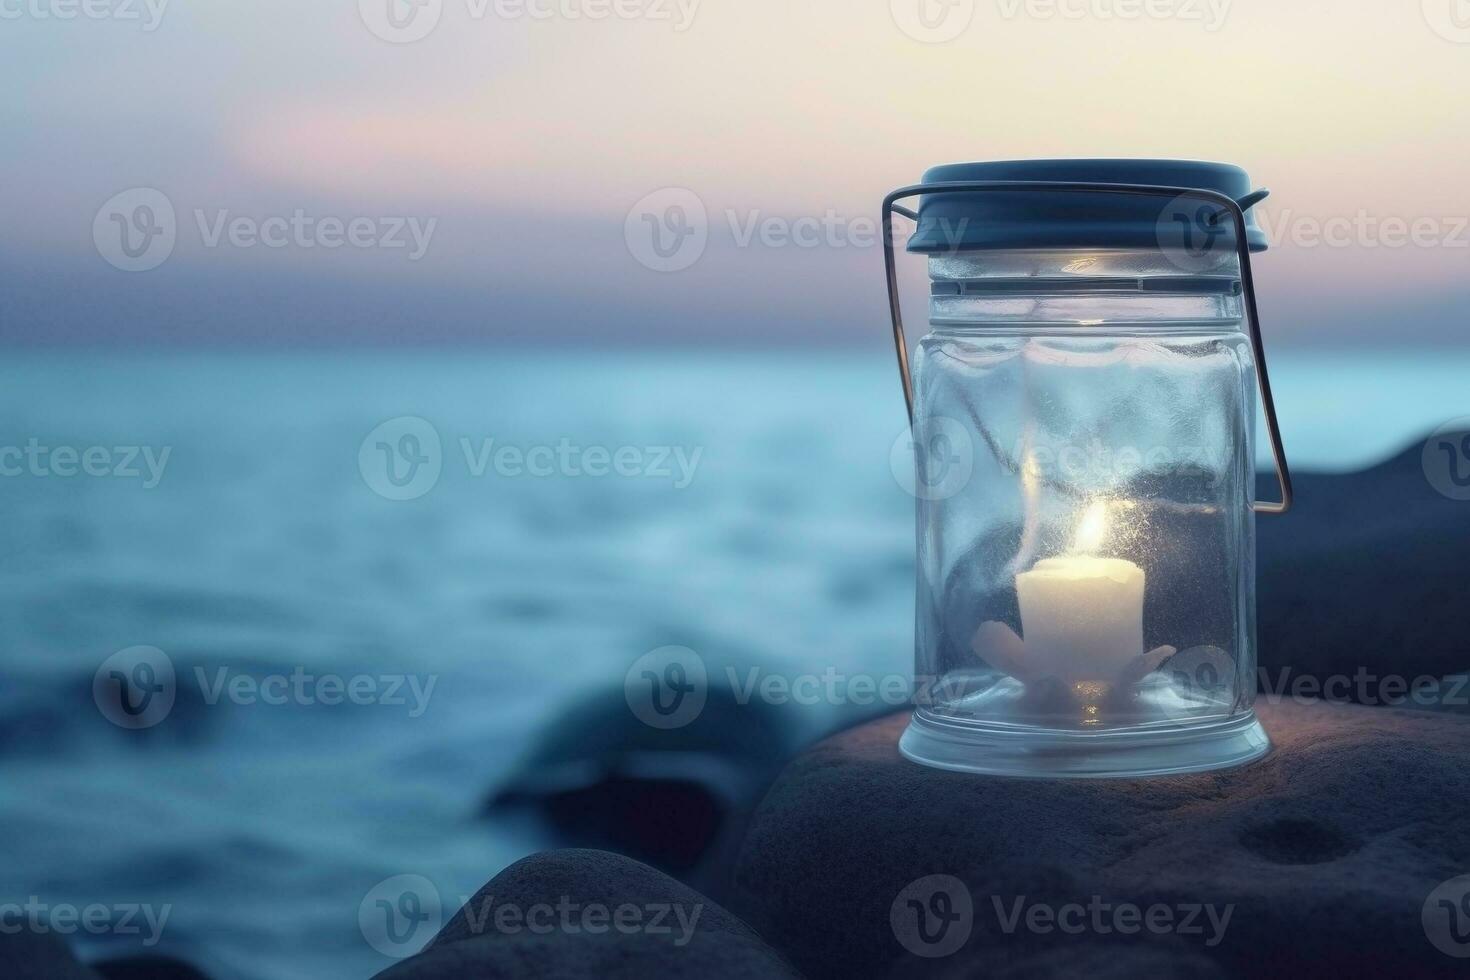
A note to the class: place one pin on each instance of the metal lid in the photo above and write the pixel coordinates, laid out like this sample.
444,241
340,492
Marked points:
1036,218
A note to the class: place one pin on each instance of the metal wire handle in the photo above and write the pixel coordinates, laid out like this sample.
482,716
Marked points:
1236,210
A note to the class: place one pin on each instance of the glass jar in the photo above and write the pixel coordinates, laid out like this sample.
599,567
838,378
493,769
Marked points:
1083,412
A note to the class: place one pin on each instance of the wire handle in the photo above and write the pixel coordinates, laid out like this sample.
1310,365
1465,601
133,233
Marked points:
1236,211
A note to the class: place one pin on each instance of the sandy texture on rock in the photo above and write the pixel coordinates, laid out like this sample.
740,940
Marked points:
1327,850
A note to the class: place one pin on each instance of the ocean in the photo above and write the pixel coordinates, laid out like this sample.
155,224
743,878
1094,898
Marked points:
491,534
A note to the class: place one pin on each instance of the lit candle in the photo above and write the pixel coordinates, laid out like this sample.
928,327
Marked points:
1082,615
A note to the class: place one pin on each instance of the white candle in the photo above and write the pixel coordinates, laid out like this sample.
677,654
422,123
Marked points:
1081,617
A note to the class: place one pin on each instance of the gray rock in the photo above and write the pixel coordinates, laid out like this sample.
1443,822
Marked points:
1366,572
28,955
1327,850
147,967
670,797
702,939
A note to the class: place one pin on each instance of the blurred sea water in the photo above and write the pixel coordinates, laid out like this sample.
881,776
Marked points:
270,546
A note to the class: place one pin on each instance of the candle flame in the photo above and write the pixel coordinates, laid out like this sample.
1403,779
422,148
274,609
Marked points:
1092,530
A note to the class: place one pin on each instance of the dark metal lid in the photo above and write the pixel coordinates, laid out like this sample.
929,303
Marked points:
1036,218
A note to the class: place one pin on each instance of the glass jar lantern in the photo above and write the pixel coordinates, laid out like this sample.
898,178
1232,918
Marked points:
1083,420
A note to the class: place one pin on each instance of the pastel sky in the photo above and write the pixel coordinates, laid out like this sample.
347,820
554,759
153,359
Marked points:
526,131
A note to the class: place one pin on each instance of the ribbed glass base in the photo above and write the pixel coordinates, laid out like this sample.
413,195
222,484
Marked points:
967,747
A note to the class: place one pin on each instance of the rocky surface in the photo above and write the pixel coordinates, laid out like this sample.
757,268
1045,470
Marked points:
673,798
26,954
678,932
1367,572
1325,854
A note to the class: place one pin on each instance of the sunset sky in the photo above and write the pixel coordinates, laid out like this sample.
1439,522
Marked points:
526,130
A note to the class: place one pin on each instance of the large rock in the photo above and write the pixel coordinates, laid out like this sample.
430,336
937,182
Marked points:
29,955
1366,573
670,797
683,934
1325,853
